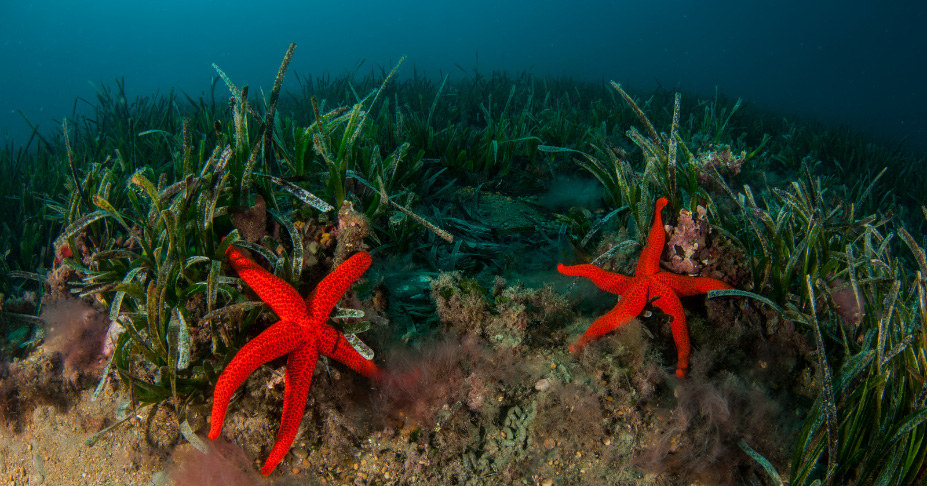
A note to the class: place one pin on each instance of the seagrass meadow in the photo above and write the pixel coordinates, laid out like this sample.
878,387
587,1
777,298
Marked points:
120,310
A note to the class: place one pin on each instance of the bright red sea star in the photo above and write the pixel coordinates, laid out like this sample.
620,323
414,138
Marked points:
302,333
648,283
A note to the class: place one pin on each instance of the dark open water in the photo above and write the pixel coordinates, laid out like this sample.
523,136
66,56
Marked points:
857,63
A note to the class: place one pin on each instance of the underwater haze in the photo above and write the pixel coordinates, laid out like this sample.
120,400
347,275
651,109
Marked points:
861,64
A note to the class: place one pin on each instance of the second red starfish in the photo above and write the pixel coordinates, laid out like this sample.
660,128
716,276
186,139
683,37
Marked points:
648,283
303,333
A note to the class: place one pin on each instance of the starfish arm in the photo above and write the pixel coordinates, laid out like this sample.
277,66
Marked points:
649,261
631,304
670,304
281,297
615,283
299,368
277,340
686,286
335,346
335,284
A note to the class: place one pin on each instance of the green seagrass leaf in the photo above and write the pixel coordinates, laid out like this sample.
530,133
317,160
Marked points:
770,469
232,238
264,252
187,432
170,223
153,314
102,382
212,284
355,327
359,346
296,239
127,286
140,180
114,255
241,306
105,205
182,337
302,194
77,226
743,293
193,260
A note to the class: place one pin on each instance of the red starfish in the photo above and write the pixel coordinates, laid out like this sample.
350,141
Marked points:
302,333
648,283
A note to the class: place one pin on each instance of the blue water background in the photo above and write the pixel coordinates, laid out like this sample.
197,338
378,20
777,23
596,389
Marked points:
856,63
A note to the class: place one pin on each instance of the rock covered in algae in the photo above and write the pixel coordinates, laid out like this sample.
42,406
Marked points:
353,227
